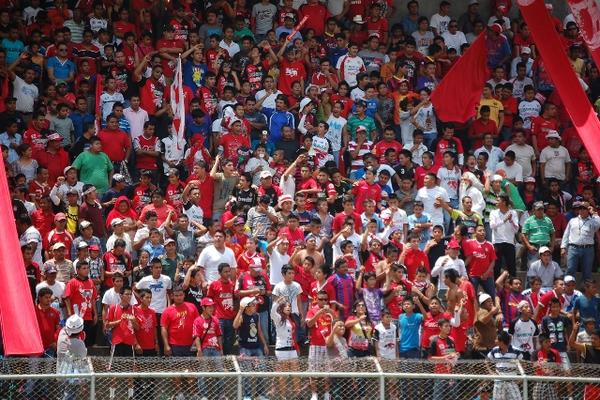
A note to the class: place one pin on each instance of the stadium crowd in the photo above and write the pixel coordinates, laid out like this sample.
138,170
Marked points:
315,202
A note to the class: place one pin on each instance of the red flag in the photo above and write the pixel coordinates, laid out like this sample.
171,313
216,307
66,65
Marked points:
297,28
4,93
563,76
20,330
587,16
99,89
456,97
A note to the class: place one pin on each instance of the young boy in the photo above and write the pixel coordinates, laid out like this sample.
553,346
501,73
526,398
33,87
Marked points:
386,337
62,124
291,290
554,326
343,285
547,365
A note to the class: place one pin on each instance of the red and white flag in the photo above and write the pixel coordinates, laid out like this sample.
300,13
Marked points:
587,16
178,104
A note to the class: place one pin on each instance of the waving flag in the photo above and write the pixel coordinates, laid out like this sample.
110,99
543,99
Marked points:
587,16
178,103
563,76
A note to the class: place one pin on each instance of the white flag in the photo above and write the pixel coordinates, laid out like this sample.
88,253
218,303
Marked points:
178,104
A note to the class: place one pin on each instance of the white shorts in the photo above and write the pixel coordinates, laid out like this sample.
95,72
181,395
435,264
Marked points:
284,355
564,361
317,358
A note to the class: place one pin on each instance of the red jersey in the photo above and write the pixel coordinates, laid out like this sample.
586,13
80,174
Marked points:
305,279
60,237
82,295
124,332
152,95
346,101
321,329
207,188
222,293
381,147
289,72
129,53
245,260
178,320
55,163
142,196
442,145
115,144
182,29
120,28
43,222
414,259
316,287
540,127
357,7
113,263
420,173
161,212
146,161
352,263
247,281
586,173
36,140
208,330
168,65
174,196
232,143
478,128
364,191
402,290
317,15
146,334
254,73
208,100
296,238
482,255
379,27
552,357
431,328
543,304
511,108
338,221
441,347
49,323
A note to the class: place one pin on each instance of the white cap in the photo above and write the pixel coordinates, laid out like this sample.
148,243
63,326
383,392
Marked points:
247,300
265,174
569,278
525,50
483,297
552,134
73,325
304,102
544,249
358,19
116,221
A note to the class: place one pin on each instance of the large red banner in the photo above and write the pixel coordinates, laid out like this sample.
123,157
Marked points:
563,76
20,332
587,16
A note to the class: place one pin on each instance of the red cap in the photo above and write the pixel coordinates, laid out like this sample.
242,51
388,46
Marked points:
496,28
207,301
453,244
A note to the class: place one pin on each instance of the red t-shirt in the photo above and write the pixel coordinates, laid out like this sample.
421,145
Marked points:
338,221
357,7
315,288
321,329
402,290
290,72
152,95
309,183
63,237
35,139
510,110
381,147
540,127
55,163
441,347
82,294
420,173
208,100
413,260
174,196
245,260
207,188
115,144
478,129
48,321
222,293
317,15
364,191
122,27
431,328
146,334
482,256
114,263
305,279
170,44
232,143
124,332
208,330
178,320
146,161
296,237
544,302
161,212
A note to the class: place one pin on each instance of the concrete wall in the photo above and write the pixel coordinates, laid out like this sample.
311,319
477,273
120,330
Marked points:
430,7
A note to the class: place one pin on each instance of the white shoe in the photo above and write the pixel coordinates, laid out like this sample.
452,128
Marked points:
180,396
326,396
314,396
261,397
204,398
247,398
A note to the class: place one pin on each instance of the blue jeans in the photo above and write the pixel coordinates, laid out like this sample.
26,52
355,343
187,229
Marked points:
216,365
252,364
580,258
428,139
409,389
488,285
228,335
263,318
411,354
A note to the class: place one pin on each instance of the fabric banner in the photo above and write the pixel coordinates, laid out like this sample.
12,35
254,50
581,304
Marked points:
455,99
20,331
178,103
587,16
563,76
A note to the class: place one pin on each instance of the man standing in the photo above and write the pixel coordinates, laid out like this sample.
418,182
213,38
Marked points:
538,231
578,240
80,299
213,255
177,323
504,223
481,258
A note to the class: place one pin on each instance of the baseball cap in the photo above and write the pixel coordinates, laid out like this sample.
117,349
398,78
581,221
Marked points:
54,136
290,15
266,174
207,301
525,50
60,217
94,247
538,205
82,245
569,278
361,128
73,191
304,102
453,244
496,28
84,224
529,179
483,297
116,221
552,134
358,19
265,198
169,241
50,269
247,300
496,178
543,250
118,178
58,245
256,265
239,221
67,169
283,199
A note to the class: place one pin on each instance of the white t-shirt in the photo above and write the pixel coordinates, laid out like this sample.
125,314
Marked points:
193,212
386,340
555,159
32,235
210,258
350,67
515,171
427,196
519,86
290,293
334,134
454,41
159,288
450,180
111,297
269,101
444,263
528,110
524,155
277,260
25,93
440,22
354,238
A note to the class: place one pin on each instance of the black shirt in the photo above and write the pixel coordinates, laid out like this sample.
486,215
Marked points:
248,332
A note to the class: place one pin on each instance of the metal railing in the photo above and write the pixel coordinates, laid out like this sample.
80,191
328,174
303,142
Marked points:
243,377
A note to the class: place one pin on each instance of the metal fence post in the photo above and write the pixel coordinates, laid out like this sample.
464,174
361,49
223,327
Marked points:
238,371
92,380
381,378
525,383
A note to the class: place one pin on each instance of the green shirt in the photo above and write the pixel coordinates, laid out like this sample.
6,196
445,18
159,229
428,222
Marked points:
94,169
169,265
538,230
354,122
470,221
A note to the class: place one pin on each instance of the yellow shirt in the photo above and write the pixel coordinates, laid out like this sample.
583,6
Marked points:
495,108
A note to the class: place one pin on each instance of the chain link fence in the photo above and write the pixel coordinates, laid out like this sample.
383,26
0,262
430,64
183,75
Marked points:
245,378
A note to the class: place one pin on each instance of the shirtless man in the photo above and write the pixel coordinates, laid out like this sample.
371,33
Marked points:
454,295
310,250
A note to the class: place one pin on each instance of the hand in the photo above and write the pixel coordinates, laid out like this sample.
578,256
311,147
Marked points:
199,353
138,349
563,252
168,351
266,350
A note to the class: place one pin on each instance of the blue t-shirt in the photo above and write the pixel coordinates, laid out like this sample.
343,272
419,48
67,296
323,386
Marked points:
409,327
278,120
13,49
61,69
588,308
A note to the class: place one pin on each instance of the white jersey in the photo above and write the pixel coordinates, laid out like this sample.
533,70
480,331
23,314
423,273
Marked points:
159,288
350,67
528,110
386,340
334,134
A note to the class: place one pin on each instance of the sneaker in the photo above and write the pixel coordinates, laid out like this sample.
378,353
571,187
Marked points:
247,398
180,396
326,396
314,396
261,397
204,398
